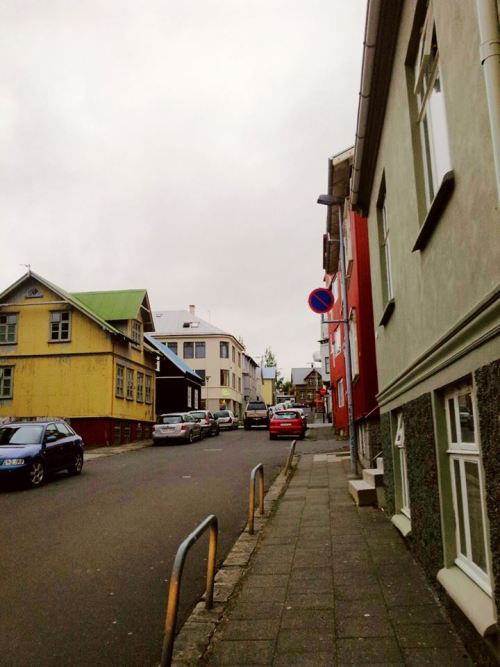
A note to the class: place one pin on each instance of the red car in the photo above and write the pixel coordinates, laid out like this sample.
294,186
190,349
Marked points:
287,422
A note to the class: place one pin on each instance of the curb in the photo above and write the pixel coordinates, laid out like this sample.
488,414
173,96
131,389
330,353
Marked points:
193,639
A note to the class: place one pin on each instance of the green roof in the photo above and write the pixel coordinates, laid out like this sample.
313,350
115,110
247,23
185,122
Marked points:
115,305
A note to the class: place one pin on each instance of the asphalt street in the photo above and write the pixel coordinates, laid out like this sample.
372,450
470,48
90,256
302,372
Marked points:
85,561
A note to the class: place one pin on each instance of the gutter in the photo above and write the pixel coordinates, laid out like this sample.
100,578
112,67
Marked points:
369,43
489,51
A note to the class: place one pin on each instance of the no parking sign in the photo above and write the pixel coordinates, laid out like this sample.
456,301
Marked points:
320,300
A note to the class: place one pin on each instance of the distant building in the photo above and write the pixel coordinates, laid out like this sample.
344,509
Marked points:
252,381
79,356
269,378
215,355
305,385
178,387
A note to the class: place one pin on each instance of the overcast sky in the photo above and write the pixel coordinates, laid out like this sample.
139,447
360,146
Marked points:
178,146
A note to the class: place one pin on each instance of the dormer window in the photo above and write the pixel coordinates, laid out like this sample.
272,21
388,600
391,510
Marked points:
136,332
190,325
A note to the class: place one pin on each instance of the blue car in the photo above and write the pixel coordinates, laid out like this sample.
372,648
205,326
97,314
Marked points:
33,449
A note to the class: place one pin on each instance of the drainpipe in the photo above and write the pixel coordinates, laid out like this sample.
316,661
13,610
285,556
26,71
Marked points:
372,20
489,51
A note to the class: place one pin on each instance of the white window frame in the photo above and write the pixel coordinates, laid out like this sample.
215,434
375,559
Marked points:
340,393
140,387
8,329
136,331
223,345
148,389
189,396
335,288
353,340
463,452
56,323
337,341
327,365
387,253
120,380
6,382
431,109
196,394
130,384
402,469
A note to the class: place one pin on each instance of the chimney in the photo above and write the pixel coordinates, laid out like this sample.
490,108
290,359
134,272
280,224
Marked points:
191,309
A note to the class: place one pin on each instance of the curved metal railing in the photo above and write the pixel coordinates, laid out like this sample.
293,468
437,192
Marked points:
259,468
175,582
290,457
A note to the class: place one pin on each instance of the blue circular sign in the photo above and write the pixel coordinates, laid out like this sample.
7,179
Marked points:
320,300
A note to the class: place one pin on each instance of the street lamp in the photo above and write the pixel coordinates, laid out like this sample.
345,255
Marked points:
330,200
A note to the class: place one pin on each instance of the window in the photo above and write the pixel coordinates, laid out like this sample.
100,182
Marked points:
196,393
140,387
224,378
347,237
401,466
202,373
173,347
337,341
188,350
335,288
149,389
340,393
233,353
353,340
233,380
8,328
189,396
385,247
199,350
60,325
120,371
64,430
239,359
130,384
327,365
136,332
224,350
431,110
6,380
239,385
472,554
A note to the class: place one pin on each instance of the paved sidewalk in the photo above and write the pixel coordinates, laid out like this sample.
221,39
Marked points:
329,585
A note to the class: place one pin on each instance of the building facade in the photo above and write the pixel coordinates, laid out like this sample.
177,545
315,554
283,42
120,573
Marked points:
78,356
425,174
359,310
252,382
269,377
215,355
305,385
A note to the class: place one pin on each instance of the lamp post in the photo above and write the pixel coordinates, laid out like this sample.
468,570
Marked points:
330,200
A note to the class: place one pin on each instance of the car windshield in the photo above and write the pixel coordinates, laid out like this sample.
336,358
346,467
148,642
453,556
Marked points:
197,414
222,413
286,415
256,406
20,435
170,419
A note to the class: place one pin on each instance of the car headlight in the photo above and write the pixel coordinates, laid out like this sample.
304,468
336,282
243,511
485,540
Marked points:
13,462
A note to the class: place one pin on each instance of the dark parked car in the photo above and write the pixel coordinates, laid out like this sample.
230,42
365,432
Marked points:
33,449
176,426
209,424
287,422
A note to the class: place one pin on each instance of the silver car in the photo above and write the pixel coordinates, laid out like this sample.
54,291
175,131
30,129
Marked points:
176,426
226,419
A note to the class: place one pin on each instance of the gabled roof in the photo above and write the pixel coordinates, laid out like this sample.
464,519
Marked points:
300,375
172,323
269,373
119,305
171,356
71,299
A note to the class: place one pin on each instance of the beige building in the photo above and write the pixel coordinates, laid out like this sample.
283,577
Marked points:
215,355
426,173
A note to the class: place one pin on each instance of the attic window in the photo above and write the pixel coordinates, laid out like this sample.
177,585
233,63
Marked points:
33,293
190,325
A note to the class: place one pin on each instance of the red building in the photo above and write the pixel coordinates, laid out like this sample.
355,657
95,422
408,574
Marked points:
360,312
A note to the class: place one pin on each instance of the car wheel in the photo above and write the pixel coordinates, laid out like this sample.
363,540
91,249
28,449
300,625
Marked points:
77,466
36,474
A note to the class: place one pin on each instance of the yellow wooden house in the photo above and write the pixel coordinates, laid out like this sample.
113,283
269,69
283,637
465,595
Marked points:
79,356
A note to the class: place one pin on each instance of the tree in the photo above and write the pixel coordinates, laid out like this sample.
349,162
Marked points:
270,358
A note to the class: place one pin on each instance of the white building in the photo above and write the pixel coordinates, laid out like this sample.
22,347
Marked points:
216,355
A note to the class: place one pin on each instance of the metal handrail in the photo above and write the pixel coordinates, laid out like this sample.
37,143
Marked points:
290,457
175,582
259,468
